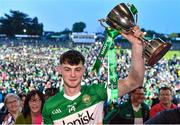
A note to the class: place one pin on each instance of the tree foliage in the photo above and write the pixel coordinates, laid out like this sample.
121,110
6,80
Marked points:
66,31
19,23
78,27
173,35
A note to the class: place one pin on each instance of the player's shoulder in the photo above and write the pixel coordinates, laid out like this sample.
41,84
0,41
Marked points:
54,99
93,87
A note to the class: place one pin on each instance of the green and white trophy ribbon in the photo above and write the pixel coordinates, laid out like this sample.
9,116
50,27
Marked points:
108,47
112,73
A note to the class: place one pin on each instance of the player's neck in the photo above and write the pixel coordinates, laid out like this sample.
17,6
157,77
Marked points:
71,91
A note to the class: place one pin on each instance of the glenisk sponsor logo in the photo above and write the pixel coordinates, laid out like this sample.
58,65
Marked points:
83,118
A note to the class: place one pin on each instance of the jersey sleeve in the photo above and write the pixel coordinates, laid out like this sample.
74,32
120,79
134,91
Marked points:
46,115
101,90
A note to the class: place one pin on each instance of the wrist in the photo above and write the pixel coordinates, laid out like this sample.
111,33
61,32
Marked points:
138,44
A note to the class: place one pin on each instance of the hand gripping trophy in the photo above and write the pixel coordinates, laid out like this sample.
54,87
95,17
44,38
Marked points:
123,18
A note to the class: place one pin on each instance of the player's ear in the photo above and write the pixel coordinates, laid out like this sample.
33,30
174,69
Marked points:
84,69
58,69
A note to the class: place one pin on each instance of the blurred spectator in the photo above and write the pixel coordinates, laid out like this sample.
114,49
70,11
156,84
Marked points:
50,92
2,113
22,97
134,111
32,109
165,101
12,103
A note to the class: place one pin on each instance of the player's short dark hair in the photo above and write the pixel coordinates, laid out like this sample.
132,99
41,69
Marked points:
72,57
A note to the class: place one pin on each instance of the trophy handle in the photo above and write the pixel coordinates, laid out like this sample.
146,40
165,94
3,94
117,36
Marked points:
103,23
134,11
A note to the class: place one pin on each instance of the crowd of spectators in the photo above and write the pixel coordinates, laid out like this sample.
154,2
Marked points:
23,68
27,67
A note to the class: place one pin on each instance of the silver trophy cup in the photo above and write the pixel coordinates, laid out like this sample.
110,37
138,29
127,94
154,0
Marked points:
122,19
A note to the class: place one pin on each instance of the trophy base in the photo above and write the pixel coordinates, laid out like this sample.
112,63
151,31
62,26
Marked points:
158,53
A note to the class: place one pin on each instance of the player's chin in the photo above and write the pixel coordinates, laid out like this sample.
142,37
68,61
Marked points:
74,84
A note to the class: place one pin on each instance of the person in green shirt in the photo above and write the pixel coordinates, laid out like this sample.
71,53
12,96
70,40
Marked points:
134,111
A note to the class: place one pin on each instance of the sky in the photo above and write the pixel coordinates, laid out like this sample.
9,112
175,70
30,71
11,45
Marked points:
161,16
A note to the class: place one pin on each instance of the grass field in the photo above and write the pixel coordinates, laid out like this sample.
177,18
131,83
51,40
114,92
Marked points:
170,54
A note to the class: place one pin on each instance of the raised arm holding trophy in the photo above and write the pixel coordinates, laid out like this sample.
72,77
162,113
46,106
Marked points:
123,18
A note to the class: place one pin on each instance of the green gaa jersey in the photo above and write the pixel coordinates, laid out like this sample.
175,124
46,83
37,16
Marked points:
85,109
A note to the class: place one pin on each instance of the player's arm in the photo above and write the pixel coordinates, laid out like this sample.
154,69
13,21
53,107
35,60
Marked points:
136,74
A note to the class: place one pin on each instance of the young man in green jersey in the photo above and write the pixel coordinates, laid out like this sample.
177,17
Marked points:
78,104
